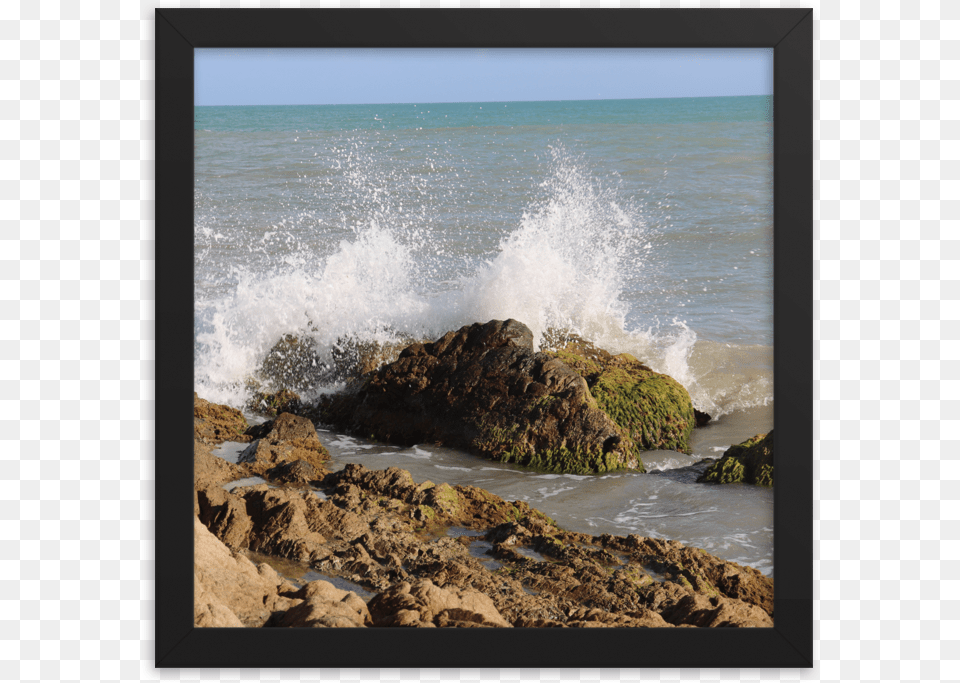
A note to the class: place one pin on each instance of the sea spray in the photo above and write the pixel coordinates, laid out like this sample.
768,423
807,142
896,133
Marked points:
387,276
562,267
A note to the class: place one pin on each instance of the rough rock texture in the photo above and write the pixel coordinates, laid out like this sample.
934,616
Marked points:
437,555
750,462
210,470
425,604
324,606
354,357
483,388
292,364
284,440
272,404
432,504
382,530
654,409
213,424
229,590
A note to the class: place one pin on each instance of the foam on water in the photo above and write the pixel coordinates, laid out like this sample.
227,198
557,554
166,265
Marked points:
565,265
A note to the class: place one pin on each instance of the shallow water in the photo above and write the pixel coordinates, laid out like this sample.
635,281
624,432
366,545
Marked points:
300,574
734,522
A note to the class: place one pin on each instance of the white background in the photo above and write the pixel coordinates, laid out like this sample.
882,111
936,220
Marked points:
76,346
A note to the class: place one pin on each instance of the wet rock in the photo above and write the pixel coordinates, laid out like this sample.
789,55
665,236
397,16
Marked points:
274,403
385,531
296,472
433,504
213,423
229,590
325,606
354,357
653,409
482,388
210,470
423,603
286,439
293,364
750,462
702,418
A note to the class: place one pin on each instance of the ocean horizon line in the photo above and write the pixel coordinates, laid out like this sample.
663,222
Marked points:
367,104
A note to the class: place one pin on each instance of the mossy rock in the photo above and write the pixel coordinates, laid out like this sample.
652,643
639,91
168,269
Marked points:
653,409
750,462
573,461
272,404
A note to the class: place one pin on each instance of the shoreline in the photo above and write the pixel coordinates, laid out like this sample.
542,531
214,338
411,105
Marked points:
390,535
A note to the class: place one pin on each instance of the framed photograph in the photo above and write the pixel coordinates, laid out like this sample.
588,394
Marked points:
486,318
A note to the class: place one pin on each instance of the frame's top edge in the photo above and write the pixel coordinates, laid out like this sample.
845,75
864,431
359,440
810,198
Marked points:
484,27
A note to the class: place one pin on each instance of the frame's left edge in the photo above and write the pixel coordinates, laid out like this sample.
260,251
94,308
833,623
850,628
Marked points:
174,366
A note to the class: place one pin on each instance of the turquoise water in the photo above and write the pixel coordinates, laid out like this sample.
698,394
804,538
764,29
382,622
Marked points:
483,114
645,225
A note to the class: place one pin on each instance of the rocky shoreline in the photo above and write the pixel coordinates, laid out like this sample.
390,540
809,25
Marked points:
433,555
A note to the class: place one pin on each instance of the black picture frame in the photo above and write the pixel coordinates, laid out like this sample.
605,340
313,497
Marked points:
790,33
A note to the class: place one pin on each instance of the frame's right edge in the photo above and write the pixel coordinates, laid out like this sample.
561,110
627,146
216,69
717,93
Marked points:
793,335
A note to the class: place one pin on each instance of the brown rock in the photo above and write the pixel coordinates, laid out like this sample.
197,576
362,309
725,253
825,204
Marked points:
296,472
433,605
228,589
214,424
210,470
284,440
704,572
225,515
718,611
326,606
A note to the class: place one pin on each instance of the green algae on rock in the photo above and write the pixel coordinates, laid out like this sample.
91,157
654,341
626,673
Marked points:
484,389
653,409
575,409
272,404
750,462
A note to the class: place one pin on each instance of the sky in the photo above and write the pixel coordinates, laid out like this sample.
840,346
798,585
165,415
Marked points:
248,76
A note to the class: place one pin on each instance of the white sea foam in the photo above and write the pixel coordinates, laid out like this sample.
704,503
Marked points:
565,265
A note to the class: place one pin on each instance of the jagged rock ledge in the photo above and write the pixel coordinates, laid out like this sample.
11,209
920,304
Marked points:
389,534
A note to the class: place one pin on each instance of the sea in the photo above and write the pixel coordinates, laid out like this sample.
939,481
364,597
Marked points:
644,225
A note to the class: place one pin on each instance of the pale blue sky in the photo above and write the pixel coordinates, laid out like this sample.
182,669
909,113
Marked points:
380,76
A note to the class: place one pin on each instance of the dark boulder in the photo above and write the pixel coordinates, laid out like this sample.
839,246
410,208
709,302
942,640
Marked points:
483,388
